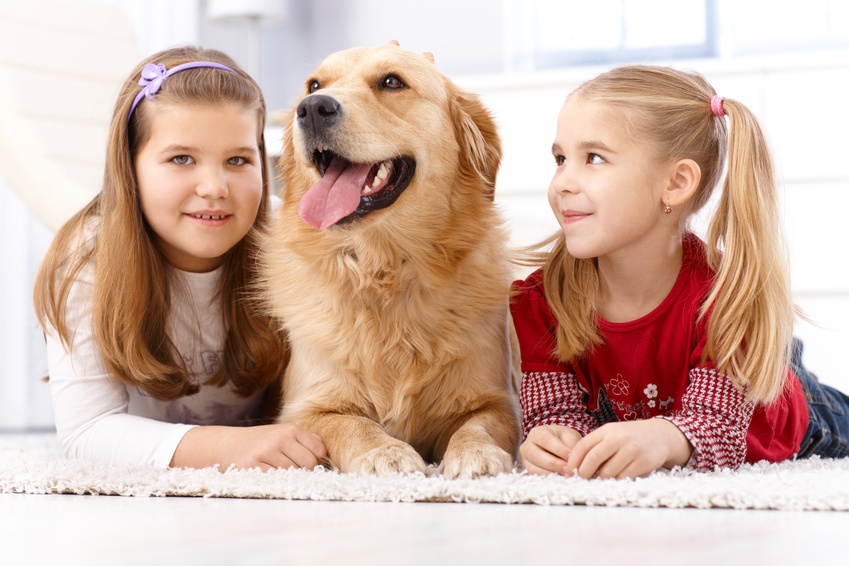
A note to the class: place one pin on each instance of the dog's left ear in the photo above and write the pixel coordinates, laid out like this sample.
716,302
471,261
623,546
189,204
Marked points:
480,153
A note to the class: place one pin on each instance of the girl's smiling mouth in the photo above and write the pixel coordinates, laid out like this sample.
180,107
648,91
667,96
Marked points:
571,216
209,217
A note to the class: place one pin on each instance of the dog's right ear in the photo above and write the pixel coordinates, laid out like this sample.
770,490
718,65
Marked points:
427,54
480,152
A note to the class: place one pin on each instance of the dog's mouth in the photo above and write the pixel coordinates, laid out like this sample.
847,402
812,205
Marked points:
348,191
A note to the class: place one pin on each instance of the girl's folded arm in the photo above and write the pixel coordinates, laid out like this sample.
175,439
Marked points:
554,398
715,418
90,411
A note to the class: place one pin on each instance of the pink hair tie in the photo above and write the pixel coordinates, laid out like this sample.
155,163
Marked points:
716,106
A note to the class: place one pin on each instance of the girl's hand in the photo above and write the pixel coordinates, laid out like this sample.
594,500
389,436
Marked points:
267,446
546,449
629,449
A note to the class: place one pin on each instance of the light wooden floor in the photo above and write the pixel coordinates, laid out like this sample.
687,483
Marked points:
69,529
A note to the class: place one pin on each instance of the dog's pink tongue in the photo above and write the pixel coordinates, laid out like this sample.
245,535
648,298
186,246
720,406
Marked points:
335,196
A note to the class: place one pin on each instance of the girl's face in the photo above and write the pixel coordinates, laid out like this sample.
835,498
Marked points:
607,191
200,181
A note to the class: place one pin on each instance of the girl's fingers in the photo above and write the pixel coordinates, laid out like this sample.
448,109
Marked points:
313,443
538,460
276,461
301,456
536,470
615,466
588,456
549,441
604,459
292,455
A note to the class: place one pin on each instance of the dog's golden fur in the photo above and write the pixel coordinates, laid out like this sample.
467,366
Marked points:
398,317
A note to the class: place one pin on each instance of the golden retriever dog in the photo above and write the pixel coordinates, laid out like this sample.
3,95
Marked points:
387,266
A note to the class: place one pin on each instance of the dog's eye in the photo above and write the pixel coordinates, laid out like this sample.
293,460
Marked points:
391,82
314,86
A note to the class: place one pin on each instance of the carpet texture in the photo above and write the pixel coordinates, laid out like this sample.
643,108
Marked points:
33,464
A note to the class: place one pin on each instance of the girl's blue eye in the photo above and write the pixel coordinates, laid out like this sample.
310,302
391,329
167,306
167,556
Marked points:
237,161
181,159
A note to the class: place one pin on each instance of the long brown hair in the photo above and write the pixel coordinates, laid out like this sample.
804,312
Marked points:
130,308
751,321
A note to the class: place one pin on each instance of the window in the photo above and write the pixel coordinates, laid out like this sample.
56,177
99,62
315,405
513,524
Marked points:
558,33
760,26
548,34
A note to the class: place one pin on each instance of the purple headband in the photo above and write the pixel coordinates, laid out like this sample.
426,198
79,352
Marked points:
153,75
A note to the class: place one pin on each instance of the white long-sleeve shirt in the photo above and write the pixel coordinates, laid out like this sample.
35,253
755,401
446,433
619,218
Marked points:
98,418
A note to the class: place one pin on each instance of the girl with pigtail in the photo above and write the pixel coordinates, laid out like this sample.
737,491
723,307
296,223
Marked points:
643,346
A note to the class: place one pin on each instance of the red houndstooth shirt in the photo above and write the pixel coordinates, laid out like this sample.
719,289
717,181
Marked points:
652,368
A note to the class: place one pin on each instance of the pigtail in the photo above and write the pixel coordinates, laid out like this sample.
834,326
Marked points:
750,326
571,289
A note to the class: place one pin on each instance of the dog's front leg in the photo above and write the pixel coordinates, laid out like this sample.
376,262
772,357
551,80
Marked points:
359,445
485,444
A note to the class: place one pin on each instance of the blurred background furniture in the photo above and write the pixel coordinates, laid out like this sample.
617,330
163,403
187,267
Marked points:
60,67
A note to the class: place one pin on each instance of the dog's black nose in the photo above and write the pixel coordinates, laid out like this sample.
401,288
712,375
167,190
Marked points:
318,112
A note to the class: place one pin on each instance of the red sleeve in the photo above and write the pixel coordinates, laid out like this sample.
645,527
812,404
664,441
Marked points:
550,393
554,398
714,417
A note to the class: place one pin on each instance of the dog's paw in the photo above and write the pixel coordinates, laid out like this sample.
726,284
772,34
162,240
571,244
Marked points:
392,459
476,460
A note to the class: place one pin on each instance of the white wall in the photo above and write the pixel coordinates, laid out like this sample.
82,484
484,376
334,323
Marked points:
24,399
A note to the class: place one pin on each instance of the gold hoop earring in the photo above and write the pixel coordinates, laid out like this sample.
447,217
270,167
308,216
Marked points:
666,208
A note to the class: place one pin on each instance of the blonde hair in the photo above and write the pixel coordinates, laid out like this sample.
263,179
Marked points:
751,310
131,276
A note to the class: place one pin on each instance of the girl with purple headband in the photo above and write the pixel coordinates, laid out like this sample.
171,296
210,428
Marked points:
157,354
642,345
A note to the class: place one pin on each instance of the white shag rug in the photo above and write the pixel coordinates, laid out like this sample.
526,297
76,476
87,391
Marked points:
33,464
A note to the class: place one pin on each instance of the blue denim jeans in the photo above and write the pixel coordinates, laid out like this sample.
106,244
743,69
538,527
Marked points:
828,410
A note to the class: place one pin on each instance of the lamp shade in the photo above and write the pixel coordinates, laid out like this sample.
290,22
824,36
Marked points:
266,11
